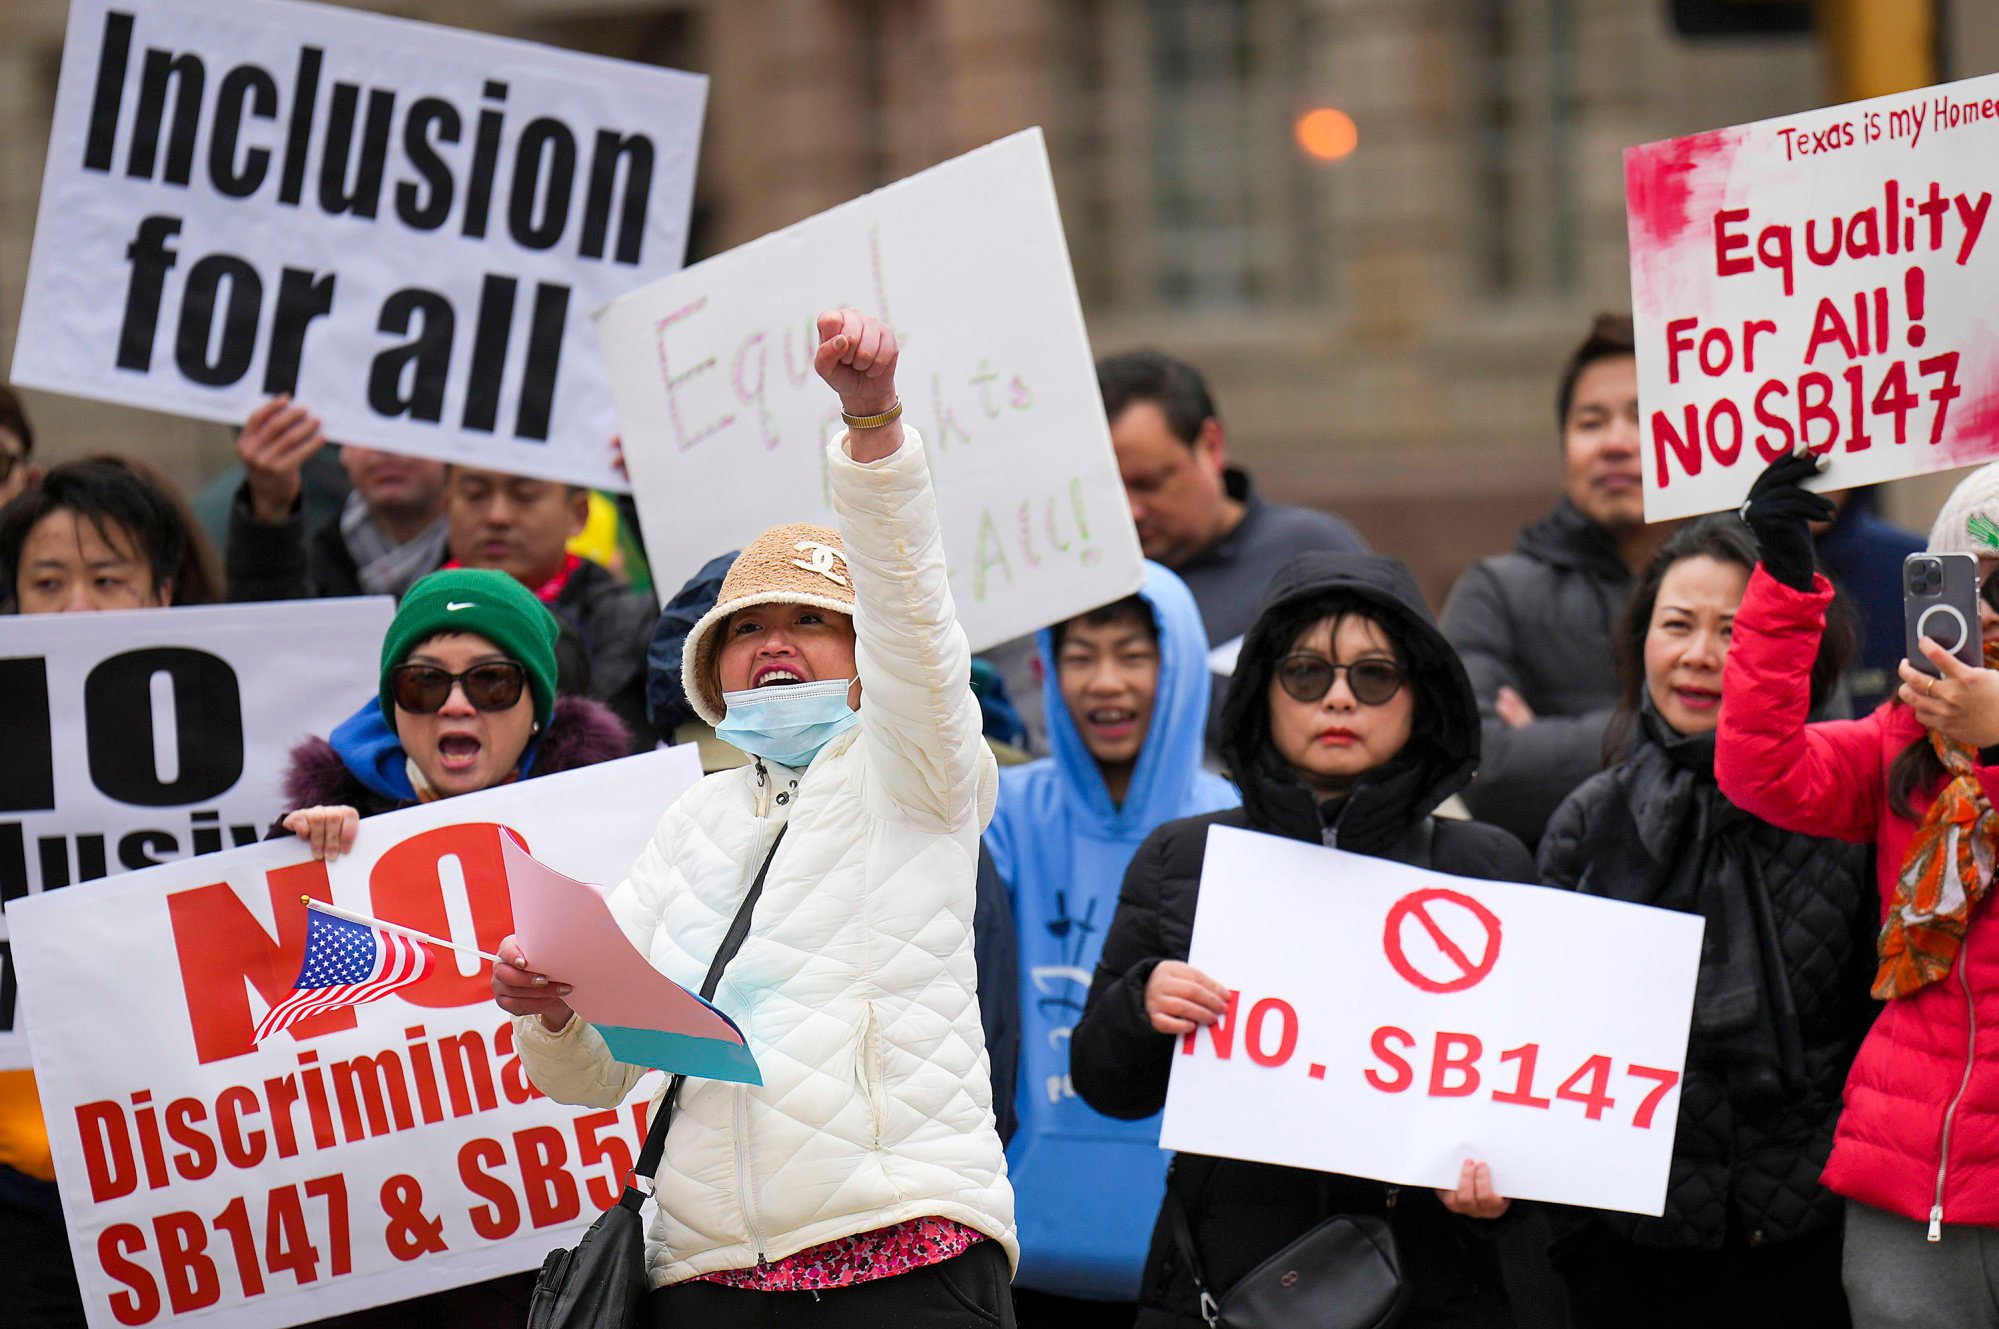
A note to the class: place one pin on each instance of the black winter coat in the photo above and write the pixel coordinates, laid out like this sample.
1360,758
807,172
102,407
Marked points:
1242,1212
1538,620
1748,1153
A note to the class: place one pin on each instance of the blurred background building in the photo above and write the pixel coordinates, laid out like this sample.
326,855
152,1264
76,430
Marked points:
1378,225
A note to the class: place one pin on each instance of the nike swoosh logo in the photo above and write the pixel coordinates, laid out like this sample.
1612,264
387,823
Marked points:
460,604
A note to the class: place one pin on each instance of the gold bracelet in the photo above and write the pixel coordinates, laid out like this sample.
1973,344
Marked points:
889,416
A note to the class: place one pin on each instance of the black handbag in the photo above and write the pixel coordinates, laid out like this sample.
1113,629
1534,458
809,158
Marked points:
1345,1273
601,1284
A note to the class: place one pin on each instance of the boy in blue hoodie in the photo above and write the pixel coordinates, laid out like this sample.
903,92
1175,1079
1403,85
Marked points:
1126,694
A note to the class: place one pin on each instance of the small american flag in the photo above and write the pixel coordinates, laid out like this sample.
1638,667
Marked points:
346,964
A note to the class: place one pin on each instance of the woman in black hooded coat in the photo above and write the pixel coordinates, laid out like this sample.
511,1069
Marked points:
1365,778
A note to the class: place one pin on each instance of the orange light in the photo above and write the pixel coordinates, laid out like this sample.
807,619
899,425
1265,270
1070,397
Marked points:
1327,133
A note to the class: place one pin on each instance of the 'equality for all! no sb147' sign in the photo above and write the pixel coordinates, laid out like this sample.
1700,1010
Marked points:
401,224
1825,279
725,422
1391,1022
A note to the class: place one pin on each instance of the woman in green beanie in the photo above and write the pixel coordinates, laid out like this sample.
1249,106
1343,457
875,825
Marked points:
466,701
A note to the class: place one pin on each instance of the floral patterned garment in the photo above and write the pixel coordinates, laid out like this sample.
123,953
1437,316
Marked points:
861,1258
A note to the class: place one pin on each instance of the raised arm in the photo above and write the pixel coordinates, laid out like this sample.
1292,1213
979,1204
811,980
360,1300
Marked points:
929,764
1818,779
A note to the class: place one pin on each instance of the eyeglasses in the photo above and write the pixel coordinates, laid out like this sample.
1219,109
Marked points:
423,689
1310,677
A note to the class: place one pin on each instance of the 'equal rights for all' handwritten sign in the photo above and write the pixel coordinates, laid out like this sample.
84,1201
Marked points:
1823,279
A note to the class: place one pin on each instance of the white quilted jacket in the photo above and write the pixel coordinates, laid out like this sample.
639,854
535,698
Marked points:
855,985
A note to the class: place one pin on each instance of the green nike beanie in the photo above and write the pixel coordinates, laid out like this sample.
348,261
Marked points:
479,600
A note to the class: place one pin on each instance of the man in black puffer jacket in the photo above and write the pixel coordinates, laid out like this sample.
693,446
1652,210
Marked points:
1242,1212
1533,625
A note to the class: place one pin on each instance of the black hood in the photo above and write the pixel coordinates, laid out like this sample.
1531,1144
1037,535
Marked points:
1565,538
1439,758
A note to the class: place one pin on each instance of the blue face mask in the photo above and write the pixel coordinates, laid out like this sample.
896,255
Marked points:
787,723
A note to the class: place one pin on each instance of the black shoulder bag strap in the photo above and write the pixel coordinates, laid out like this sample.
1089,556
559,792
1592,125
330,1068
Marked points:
1183,1237
739,928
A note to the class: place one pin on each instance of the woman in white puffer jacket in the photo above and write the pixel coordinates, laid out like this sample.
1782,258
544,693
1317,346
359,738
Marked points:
862,1182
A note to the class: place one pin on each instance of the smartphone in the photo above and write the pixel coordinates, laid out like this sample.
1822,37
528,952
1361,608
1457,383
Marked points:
1940,601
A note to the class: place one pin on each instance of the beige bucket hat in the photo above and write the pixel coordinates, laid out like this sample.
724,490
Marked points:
797,564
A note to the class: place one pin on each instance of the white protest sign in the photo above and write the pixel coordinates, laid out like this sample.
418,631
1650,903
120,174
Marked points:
367,1155
143,736
1823,278
403,225
724,419
1392,1022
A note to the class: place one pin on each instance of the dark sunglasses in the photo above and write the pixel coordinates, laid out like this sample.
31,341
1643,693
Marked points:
1310,678
422,689
1988,589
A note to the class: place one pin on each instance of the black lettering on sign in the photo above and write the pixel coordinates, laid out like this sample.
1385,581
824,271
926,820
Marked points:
410,379
208,727
237,346
246,90
185,75
27,776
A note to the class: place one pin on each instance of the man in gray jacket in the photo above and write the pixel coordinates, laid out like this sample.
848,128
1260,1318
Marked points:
1195,513
1534,626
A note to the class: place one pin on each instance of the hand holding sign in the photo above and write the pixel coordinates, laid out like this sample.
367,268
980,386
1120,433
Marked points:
519,990
1180,997
277,440
1781,510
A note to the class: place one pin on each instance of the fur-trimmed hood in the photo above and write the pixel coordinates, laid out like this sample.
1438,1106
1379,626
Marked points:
580,733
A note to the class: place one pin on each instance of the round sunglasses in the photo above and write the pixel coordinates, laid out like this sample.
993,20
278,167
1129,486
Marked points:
1310,677
422,689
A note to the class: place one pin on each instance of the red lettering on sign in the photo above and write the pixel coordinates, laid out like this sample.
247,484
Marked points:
1400,1075
1459,1053
1287,1038
140,1305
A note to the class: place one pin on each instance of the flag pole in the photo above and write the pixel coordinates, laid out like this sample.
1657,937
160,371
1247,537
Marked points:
365,921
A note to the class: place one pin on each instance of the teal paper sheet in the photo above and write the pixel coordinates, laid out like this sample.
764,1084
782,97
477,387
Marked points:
682,1054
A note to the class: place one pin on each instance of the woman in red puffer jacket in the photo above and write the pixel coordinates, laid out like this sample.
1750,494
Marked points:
1916,1153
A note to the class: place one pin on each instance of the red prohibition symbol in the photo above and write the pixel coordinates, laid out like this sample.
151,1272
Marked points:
1453,970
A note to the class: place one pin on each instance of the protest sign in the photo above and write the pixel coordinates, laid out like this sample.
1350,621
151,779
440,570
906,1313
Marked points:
724,419
135,738
402,225
1387,1021
1820,279
364,1155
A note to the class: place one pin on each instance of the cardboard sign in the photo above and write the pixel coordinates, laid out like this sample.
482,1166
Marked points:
402,225
143,736
1392,1022
1821,279
363,1156
724,419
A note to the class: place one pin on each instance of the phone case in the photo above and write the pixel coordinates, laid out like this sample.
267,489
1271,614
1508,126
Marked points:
1940,601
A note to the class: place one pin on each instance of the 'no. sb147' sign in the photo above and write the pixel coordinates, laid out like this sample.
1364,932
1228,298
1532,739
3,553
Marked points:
1390,1022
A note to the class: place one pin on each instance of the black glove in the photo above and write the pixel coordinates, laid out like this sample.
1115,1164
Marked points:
1780,511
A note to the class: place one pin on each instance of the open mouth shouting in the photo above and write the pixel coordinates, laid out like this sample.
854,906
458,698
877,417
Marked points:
776,675
458,753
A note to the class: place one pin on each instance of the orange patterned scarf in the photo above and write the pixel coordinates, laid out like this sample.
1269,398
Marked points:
1946,874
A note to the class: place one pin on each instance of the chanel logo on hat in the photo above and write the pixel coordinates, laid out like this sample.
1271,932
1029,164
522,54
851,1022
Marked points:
822,561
